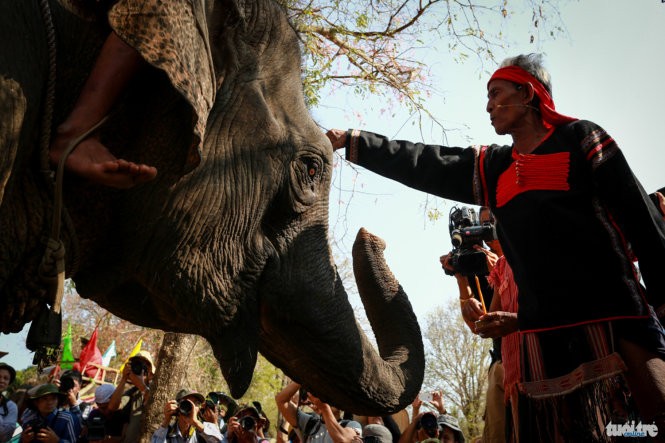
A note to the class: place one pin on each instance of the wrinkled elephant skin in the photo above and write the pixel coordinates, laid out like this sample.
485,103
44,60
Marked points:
237,250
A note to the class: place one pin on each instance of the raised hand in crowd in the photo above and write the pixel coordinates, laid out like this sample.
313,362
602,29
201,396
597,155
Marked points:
210,414
170,411
437,402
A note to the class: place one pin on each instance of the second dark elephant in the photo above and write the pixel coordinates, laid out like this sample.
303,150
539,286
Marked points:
235,251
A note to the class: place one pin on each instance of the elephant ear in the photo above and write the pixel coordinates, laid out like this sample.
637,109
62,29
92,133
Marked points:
226,19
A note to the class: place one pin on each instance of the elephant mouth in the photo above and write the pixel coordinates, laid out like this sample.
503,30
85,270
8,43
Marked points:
309,330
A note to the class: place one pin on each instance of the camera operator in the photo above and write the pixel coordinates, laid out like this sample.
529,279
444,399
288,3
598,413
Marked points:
324,426
217,407
43,421
187,427
423,424
70,383
470,275
246,426
138,372
102,425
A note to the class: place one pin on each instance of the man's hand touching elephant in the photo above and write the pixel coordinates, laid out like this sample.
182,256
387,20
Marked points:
337,137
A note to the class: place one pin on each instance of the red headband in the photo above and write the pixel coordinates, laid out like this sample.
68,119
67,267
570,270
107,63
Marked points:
518,75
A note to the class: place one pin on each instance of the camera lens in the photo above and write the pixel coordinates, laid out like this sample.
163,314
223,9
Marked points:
213,397
185,407
138,367
66,384
247,423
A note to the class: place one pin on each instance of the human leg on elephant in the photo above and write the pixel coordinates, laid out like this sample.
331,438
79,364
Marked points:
115,66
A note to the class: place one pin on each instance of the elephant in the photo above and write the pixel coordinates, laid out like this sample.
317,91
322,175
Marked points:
236,250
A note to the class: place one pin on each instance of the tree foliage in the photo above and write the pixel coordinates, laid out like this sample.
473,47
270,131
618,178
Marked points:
456,362
376,47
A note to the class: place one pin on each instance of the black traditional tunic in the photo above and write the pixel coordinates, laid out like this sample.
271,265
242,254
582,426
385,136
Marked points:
569,215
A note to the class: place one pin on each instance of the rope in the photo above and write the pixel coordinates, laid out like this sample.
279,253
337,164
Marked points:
52,267
47,121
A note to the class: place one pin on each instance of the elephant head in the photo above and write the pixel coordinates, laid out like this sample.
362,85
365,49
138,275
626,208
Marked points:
237,250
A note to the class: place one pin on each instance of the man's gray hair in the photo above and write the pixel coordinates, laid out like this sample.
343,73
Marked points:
533,64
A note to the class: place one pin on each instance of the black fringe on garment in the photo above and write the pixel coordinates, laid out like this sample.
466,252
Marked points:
580,416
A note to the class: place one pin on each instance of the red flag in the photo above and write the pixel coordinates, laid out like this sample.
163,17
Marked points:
89,354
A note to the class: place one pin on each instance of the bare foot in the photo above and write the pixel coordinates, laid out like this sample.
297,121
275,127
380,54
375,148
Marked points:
93,161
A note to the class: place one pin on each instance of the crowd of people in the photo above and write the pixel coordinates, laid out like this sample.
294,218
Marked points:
53,412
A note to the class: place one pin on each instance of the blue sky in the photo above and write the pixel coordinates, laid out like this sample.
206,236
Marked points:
609,68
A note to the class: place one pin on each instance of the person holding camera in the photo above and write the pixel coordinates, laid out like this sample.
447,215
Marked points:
182,424
585,317
137,372
324,426
43,422
246,426
102,424
8,409
423,425
473,284
70,383
217,407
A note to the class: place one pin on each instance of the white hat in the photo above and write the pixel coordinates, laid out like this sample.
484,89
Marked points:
103,393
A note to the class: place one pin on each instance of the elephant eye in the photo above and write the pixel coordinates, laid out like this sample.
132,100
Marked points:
312,166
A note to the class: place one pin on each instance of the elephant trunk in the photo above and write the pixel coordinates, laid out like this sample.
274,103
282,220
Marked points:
320,344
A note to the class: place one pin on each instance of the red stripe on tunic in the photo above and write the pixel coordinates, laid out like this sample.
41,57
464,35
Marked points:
531,172
600,146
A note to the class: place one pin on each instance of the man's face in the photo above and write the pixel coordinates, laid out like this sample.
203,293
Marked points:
5,378
103,408
46,404
505,107
485,216
448,435
77,387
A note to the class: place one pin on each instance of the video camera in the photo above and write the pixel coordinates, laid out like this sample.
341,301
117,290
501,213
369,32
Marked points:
466,232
